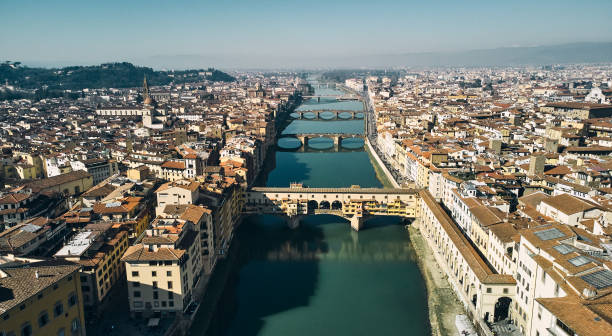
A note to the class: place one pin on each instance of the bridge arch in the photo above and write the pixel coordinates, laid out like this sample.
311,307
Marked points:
502,307
324,205
336,205
312,204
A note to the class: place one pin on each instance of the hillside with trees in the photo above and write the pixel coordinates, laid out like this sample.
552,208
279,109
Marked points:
109,75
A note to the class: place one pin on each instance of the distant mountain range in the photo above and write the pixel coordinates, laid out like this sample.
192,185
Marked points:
586,52
564,53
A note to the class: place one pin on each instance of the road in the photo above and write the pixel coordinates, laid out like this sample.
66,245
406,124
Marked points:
371,133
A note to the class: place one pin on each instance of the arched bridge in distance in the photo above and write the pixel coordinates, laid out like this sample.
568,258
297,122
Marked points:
336,137
337,97
354,204
335,114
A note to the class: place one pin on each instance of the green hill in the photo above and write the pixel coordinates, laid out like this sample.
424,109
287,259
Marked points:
115,75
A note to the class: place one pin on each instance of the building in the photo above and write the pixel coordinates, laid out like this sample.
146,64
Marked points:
33,237
98,249
563,286
163,268
179,192
100,169
40,298
578,110
486,294
70,184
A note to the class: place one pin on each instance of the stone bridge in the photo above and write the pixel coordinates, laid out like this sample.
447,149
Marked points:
336,137
337,97
354,204
335,114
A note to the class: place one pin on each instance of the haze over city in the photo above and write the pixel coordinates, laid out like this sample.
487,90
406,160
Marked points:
273,34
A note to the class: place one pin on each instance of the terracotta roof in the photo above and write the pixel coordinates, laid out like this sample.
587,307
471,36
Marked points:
480,268
139,252
173,165
14,198
582,320
569,204
21,281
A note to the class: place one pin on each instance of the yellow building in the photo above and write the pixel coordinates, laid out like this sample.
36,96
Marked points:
45,299
26,171
98,249
73,183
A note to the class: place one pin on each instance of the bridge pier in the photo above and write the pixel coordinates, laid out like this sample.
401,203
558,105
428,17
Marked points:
356,223
337,141
304,140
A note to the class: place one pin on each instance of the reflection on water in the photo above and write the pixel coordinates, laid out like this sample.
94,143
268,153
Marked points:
350,283
322,278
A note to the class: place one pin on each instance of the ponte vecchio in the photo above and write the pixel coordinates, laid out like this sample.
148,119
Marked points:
355,204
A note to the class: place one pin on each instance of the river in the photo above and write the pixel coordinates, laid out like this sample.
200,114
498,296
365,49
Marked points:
321,278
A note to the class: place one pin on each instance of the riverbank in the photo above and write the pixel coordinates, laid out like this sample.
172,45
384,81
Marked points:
442,301
382,172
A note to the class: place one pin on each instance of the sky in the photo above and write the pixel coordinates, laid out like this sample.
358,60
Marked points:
251,33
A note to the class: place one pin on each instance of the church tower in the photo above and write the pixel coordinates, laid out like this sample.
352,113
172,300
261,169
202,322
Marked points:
146,96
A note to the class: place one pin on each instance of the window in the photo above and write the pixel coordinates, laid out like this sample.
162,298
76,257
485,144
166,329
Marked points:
154,284
72,299
137,294
154,273
169,284
135,273
58,309
26,329
168,273
171,303
43,318
505,290
155,295
170,295
61,332
489,290
75,325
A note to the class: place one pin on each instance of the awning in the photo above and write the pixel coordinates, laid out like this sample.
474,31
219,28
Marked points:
153,322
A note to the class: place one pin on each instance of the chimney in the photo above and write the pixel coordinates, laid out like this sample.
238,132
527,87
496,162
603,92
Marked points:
36,274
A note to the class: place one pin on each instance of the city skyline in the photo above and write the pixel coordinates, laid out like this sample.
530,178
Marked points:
274,34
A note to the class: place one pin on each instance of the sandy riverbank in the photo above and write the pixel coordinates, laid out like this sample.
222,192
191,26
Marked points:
443,303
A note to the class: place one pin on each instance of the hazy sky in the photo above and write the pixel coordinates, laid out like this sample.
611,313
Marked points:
86,32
